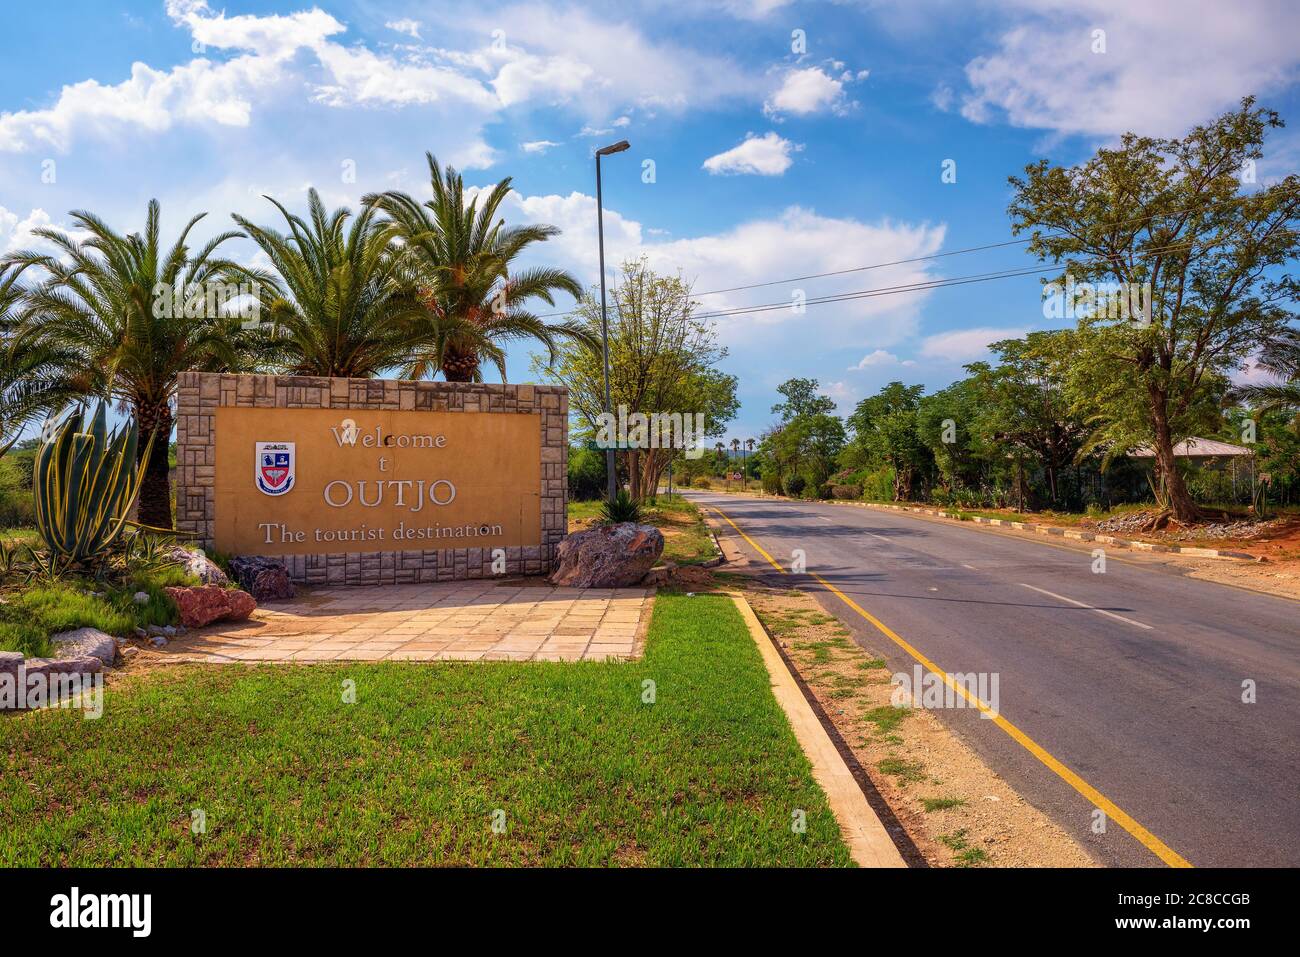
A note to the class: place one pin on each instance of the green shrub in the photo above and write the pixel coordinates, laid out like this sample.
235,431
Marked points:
586,474
878,486
771,483
16,507
702,481
794,485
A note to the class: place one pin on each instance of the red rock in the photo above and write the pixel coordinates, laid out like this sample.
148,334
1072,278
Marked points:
204,604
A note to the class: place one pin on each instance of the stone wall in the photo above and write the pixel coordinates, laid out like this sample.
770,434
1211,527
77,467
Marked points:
202,393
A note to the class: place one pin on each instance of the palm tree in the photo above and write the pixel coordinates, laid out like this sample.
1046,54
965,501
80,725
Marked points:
339,304
35,377
461,254
1280,358
134,315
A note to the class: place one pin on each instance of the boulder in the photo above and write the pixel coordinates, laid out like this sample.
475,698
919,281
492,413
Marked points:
266,579
199,565
11,661
608,556
204,604
85,643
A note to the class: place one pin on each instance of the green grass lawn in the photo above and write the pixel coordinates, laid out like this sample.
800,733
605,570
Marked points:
412,772
686,536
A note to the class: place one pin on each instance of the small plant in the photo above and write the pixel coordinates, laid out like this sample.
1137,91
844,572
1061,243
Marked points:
941,804
623,508
85,483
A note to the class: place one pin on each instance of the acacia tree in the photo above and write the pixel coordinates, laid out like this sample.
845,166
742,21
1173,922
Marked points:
662,360
1171,213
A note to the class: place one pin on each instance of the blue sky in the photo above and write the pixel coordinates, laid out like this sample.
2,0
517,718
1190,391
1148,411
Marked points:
771,158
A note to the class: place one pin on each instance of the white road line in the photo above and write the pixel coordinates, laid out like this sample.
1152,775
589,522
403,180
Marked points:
1100,611
971,567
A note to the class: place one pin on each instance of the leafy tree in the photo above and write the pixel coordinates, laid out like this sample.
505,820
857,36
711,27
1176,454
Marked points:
135,315
1024,407
802,398
950,424
1168,212
800,451
885,431
337,302
461,254
662,360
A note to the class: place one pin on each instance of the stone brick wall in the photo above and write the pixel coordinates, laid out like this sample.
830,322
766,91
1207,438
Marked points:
202,393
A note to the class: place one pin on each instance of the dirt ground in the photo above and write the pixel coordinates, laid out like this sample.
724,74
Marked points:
956,809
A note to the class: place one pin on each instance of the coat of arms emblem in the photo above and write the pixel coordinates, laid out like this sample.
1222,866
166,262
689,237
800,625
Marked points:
273,468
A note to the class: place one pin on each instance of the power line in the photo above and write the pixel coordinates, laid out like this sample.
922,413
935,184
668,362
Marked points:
917,259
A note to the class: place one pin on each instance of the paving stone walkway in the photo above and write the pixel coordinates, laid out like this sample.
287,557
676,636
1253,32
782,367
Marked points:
451,621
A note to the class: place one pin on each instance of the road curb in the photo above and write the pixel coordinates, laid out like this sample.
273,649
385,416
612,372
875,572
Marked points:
1071,533
864,832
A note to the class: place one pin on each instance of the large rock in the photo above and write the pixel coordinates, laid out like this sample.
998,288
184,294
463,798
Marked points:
266,579
199,565
204,604
608,556
85,643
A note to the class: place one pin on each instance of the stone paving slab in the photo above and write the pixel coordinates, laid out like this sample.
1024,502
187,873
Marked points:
447,621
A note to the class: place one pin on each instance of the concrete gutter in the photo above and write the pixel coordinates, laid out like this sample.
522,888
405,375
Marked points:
868,841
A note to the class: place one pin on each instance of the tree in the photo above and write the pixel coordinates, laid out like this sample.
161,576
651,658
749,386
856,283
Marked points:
802,398
1168,215
662,361
1281,360
337,303
801,450
885,430
135,315
1024,406
461,256
35,377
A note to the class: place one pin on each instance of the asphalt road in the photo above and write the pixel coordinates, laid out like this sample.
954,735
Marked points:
1139,693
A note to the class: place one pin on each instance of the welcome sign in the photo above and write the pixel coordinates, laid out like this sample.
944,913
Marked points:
320,480
371,481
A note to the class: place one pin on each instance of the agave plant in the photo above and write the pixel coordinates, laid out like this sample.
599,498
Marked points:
85,483
624,508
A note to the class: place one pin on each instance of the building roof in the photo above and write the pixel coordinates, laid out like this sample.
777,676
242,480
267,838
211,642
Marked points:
1195,448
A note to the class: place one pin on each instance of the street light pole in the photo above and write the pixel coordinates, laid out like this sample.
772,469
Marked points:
611,467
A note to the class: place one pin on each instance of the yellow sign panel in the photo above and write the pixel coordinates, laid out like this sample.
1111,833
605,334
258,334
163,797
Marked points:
315,481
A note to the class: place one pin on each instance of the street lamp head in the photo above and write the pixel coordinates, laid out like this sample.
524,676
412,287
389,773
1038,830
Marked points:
618,147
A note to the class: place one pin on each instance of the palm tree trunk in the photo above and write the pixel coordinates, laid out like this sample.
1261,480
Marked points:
459,365
155,506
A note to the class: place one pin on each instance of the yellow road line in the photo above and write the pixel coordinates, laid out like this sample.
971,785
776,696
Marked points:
1099,800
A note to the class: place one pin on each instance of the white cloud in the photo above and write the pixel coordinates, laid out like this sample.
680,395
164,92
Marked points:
764,155
16,233
965,345
1166,65
408,26
362,77
880,358
808,90
538,146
